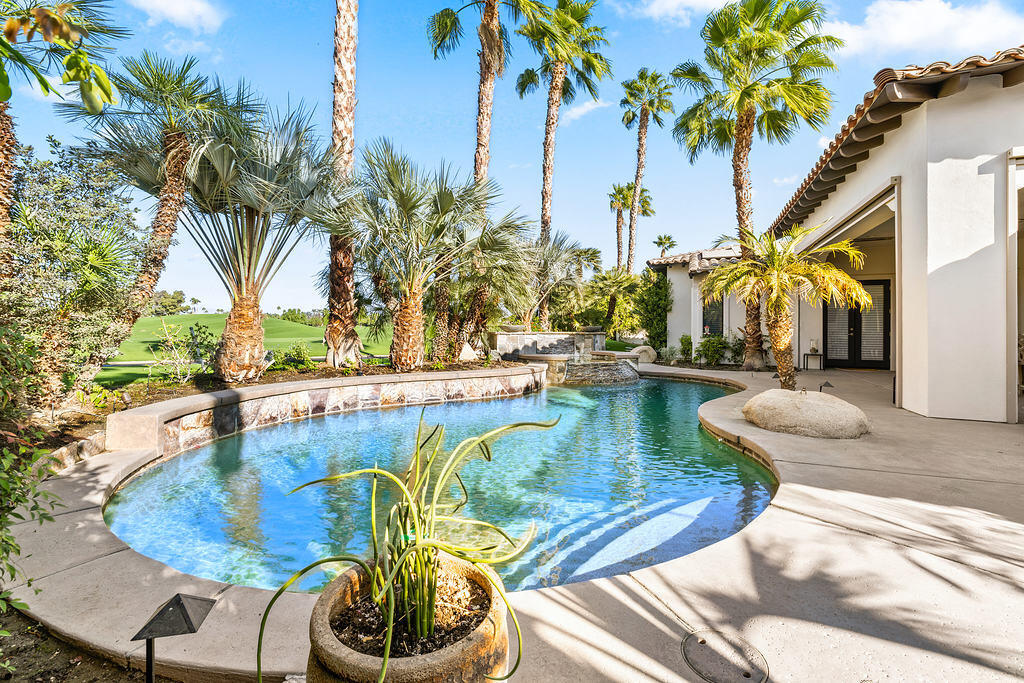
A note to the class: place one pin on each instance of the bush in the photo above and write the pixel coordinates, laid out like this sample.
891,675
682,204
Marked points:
686,348
295,357
712,349
653,303
181,358
22,466
669,353
737,347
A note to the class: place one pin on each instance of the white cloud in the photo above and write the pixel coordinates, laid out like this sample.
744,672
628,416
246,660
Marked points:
824,142
582,109
788,180
517,166
200,16
182,46
67,90
923,26
673,12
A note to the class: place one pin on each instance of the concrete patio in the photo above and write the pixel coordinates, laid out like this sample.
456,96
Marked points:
899,556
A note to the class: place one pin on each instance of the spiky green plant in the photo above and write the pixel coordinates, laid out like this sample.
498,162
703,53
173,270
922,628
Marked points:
406,549
776,271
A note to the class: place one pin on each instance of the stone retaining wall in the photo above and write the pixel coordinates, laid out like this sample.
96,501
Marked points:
76,451
185,423
616,372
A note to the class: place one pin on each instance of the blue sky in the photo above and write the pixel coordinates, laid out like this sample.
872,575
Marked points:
428,108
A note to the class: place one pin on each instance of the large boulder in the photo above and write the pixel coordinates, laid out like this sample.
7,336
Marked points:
468,354
807,413
647,354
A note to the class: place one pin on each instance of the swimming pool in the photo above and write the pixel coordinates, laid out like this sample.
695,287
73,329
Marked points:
626,479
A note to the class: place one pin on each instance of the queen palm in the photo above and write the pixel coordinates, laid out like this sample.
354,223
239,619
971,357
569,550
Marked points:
343,345
414,226
664,242
764,58
647,98
445,31
166,108
567,45
251,192
776,272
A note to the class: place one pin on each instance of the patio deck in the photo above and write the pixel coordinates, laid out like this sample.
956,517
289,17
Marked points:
898,555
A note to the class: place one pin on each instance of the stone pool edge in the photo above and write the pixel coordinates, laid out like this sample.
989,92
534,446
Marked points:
91,579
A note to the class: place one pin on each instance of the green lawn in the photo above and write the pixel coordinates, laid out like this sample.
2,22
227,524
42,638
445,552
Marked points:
278,334
612,345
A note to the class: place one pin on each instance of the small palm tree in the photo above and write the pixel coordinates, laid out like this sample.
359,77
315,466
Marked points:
413,226
664,242
167,107
567,45
765,58
445,31
621,199
250,196
554,268
647,98
776,271
613,284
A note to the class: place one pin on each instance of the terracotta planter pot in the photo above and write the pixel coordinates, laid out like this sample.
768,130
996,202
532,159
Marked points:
482,652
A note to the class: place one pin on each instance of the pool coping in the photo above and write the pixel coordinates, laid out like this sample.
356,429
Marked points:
626,627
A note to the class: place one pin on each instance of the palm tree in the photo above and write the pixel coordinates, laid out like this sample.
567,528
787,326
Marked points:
343,344
414,226
555,268
567,45
53,37
647,97
613,284
621,199
445,32
764,57
775,271
166,109
664,242
250,196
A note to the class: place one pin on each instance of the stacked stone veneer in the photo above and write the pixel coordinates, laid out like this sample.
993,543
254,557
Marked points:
199,428
615,372
511,344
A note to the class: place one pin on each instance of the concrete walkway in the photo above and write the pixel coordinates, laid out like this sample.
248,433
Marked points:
896,556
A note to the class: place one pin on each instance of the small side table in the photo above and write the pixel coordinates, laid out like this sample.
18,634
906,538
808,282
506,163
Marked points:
819,356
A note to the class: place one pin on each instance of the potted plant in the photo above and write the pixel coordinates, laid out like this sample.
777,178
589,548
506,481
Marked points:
425,605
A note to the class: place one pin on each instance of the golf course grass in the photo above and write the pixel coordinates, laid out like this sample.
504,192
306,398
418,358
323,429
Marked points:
279,334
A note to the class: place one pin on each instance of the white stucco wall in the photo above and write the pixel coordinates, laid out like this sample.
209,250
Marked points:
951,157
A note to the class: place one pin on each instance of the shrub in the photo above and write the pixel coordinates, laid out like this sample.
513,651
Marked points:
669,353
22,465
712,349
686,348
737,347
181,358
295,357
653,303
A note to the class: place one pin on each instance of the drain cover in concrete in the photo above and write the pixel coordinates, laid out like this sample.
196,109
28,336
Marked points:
724,659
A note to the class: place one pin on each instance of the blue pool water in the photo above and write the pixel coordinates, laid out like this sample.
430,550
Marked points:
625,480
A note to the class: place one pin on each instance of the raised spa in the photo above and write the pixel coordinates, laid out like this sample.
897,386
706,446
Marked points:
625,480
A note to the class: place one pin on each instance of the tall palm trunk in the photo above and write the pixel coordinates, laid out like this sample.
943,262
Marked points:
558,72
753,357
491,53
634,207
240,354
543,315
442,317
407,342
343,345
8,155
618,237
780,333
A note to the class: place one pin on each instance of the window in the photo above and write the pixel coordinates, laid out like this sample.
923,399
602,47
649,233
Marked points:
714,318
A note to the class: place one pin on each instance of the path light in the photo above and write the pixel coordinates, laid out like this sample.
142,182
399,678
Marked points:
181,615
824,384
775,376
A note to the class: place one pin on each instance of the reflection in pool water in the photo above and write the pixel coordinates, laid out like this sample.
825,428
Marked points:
625,480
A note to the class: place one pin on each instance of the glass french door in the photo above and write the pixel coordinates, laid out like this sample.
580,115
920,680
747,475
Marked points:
856,338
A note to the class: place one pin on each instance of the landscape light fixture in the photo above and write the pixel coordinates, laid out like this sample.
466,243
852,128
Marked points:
775,376
824,384
181,615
